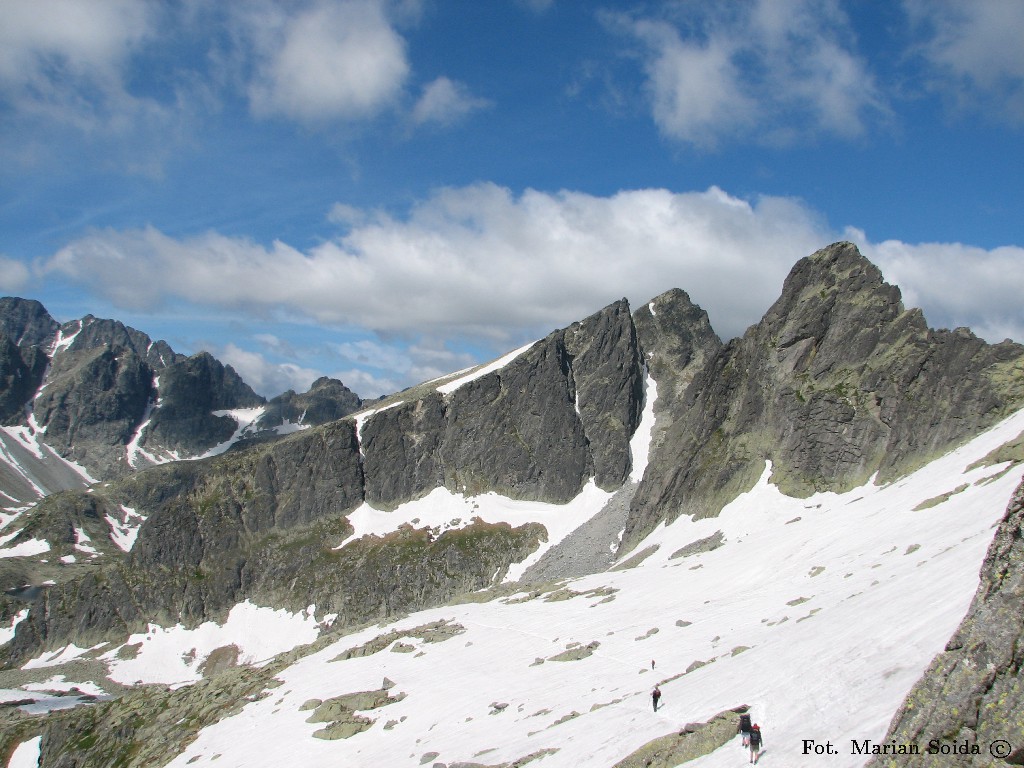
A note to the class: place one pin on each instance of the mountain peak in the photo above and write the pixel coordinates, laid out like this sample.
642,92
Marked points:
25,321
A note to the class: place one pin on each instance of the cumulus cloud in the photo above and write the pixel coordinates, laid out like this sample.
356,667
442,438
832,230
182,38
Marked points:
974,51
475,261
754,70
445,102
332,60
264,376
62,60
14,275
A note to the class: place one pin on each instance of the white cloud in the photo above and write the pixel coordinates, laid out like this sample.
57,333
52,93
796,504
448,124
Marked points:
61,60
974,49
754,70
346,215
445,102
475,261
333,60
480,262
267,378
43,41
14,275
695,87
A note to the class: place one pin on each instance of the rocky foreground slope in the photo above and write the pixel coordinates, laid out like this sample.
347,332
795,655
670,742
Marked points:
972,695
837,384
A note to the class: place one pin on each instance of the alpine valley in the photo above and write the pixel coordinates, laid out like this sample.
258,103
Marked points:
820,523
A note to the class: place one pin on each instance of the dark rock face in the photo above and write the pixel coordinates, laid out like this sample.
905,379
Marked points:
190,391
327,400
21,373
26,322
93,404
974,692
678,340
25,327
400,451
835,383
503,429
517,430
260,524
606,365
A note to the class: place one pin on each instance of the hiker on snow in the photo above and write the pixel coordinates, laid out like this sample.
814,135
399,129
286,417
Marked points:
655,697
744,728
755,742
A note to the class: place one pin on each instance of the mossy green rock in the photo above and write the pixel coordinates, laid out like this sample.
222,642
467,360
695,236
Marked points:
693,741
837,382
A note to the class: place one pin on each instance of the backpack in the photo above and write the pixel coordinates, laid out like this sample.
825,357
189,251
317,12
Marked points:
744,723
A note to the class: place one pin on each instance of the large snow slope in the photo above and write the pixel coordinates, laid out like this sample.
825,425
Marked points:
820,613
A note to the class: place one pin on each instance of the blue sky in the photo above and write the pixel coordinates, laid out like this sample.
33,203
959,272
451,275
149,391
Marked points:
384,191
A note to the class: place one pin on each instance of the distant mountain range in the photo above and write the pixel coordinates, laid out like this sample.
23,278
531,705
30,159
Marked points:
109,400
148,495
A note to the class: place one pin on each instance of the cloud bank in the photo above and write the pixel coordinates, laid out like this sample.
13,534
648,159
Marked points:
481,262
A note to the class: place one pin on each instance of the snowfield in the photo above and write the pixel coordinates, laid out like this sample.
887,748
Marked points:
819,613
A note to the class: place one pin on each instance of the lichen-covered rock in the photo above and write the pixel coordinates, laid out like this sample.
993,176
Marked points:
690,742
837,382
973,692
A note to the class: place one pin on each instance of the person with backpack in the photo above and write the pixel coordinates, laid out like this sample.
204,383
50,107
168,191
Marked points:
756,741
744,728
656,697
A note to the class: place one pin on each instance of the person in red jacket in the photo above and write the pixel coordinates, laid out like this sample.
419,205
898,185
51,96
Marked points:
756,740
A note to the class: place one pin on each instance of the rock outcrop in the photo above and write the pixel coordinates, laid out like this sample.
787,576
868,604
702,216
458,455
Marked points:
191,391
538,428
327,400
836,383
972,694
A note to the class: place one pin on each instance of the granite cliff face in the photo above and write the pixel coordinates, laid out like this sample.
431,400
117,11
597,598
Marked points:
538,428
836,383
